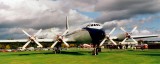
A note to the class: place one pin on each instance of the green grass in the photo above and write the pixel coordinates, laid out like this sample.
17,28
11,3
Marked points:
82,56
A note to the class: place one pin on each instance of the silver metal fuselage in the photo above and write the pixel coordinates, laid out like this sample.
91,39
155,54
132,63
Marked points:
88,35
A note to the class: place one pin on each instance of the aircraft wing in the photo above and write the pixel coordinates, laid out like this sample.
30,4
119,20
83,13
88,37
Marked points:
25,40
143,36
10,41
114,37
136,36
52,40
46,40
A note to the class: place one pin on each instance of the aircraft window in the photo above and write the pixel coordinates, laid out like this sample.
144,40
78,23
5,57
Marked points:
94,24
97,24
91,24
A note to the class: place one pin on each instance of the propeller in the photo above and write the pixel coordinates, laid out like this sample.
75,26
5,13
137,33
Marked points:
128,35
107,37
60,38
32,38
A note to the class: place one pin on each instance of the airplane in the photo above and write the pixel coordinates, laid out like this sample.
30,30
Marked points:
95,34
91,33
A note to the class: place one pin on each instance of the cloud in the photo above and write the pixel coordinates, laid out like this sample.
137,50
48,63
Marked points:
142,32
36,14
125,9
82,5
117,23
32,15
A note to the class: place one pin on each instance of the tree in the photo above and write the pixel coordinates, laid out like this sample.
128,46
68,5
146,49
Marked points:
1,46
8,47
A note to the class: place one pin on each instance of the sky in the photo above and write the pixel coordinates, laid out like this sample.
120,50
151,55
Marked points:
32,15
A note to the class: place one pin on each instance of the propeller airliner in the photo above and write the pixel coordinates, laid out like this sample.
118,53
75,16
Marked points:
91,33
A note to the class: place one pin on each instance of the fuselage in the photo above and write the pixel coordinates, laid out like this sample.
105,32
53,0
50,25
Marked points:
92,33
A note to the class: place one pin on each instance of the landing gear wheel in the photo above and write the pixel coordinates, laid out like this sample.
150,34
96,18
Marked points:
57,50
99,49
95,51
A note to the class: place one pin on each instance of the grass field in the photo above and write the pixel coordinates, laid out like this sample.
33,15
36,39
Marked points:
81,56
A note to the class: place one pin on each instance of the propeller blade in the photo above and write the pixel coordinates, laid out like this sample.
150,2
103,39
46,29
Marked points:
24,46
112,31
123,29
124,41
54,44
113,42
103,41
134,40
65,43
134,29
65,32
39,45
38,32
26,33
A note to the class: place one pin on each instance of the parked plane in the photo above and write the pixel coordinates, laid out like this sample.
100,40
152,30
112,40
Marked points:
92,33
95,34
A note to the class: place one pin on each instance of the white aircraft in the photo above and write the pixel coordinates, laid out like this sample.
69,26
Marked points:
92,33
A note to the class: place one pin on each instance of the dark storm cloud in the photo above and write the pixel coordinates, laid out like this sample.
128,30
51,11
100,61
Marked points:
125,9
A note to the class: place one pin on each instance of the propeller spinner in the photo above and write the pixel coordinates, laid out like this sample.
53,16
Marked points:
107,37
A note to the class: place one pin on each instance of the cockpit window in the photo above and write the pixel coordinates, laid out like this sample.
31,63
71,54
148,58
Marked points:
97,24
92,25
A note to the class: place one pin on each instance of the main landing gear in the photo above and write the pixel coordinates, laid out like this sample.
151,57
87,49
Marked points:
57,50
95,51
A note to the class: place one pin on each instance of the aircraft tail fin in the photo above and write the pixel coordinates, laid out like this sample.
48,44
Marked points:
67,24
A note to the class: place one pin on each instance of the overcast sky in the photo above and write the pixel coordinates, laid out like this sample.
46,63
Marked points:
32,15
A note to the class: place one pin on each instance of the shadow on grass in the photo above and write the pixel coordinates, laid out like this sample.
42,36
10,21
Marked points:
71,53
26,54
150,54
47,53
